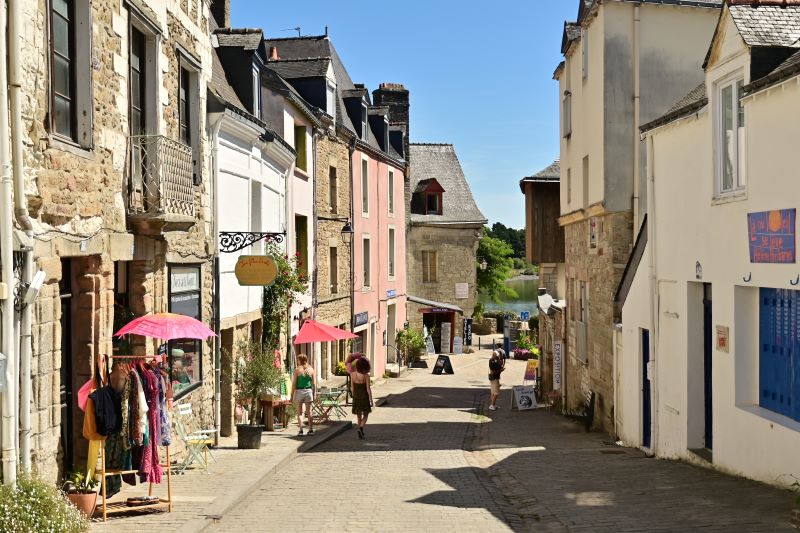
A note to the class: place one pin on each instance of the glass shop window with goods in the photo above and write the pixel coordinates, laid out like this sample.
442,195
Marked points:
185,355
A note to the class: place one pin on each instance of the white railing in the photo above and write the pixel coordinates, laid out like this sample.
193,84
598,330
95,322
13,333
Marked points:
161,176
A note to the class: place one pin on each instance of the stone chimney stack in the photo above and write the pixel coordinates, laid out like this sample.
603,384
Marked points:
273,53
221,11
395,96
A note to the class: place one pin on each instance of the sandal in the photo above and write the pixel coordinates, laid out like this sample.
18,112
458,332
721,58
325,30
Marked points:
360,433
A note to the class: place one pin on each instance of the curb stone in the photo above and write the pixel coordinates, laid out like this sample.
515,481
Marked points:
222,505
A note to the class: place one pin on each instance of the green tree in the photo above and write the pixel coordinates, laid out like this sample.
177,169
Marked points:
497,254
514,237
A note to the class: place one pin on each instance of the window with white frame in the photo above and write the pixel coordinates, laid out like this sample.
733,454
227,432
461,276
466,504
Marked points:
391,192
256,92
367,263
730,137
365,186
391,252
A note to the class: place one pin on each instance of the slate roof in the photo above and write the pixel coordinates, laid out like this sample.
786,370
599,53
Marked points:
440,162
768,25
788,69
302,57
244,38
220,85
301,68
551,173
695,100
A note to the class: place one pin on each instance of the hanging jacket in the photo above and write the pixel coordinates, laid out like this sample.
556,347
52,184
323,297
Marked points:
107,410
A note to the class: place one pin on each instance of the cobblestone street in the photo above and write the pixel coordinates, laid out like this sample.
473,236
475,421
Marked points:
434,461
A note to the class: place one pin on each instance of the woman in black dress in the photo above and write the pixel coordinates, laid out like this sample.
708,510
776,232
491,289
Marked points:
362,393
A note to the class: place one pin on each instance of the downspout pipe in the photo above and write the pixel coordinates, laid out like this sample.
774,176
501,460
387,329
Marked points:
653,278
24,221
637,140
217,319
8,426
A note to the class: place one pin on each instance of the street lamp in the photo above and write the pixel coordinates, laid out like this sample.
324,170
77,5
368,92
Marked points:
347,233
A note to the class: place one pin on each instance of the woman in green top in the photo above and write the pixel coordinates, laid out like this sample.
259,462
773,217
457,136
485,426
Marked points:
304,386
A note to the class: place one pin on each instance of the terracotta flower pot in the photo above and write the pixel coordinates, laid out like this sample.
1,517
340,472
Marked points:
84,502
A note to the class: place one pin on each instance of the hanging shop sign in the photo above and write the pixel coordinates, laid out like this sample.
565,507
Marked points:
558,354
771,236
256,270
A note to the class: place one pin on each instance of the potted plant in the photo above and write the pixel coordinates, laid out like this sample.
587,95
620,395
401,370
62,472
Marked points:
254,374
412,343
80,490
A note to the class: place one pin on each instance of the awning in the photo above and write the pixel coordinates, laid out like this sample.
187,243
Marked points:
437,305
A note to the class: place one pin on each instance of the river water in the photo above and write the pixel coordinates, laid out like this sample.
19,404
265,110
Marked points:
527,291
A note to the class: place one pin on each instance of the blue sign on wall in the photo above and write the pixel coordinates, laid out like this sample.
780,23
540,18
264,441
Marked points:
771,236
525,315
391,293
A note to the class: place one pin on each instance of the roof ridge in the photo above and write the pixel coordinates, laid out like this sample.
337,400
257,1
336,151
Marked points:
303,37
299,59
431,144
238,31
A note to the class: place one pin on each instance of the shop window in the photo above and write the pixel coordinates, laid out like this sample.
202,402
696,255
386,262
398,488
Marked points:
185,356
779,352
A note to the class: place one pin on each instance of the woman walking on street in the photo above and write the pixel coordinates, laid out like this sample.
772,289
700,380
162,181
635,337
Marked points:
304,386
362,393
496,367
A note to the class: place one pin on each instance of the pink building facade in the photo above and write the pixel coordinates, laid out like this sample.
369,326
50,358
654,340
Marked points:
379,289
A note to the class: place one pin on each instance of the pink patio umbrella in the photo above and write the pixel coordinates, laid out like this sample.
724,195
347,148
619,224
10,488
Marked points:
313,331
166,326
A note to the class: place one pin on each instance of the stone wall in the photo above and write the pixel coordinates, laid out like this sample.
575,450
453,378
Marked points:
77,198
601,268
456,248
332,308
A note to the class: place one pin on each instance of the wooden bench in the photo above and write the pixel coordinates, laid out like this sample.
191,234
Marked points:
585,415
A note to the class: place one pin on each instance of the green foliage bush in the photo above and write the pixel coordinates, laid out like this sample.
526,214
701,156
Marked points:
38,507
519,264
411,341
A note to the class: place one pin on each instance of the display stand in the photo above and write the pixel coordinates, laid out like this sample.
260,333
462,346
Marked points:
122,507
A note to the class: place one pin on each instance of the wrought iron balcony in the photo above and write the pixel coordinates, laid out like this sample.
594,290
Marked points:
161,181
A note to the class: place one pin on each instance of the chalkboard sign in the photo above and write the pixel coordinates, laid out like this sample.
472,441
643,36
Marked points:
458,346
429,347
443,365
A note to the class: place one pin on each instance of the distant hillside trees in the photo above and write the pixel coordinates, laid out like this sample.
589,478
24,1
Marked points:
513,237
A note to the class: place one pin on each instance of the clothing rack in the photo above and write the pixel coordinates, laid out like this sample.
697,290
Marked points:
122,507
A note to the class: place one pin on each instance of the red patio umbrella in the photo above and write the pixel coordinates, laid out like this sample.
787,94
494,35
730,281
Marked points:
313,331
166,326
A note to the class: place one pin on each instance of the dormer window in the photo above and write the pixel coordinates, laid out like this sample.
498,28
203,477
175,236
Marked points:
433,203
364,122
330,100
427,198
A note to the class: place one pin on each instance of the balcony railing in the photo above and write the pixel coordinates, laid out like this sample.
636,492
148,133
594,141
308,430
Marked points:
161,176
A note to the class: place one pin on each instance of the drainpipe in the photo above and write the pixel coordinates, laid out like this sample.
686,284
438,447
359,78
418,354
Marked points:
637,141
351,151
654,303
217,320
311,267
8,429
24,220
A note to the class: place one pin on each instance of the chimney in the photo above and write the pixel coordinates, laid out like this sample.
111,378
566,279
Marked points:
273,53
221,11
395,97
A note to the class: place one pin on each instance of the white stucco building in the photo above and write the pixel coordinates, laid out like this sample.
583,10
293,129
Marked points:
710,303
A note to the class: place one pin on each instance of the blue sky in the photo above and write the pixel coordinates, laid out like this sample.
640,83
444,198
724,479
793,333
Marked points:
479,74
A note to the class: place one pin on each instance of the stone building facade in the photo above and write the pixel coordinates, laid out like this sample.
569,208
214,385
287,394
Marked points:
444,227
333,303
594,269
109,232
